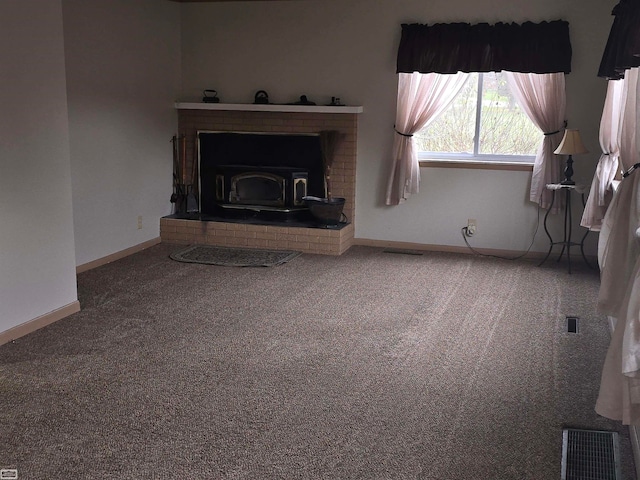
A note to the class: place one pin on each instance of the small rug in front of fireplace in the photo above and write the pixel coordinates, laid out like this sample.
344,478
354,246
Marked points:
233,257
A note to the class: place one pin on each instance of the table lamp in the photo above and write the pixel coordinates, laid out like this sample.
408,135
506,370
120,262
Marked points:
571,144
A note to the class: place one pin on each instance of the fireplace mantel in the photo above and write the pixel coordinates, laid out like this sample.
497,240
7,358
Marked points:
270,107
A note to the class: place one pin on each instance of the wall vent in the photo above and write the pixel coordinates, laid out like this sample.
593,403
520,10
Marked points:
401,251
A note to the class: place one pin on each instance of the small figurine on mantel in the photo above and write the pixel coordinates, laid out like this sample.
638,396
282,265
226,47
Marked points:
210,96
303,101
261,98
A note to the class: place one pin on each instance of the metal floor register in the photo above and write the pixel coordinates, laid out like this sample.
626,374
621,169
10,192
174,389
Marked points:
590,455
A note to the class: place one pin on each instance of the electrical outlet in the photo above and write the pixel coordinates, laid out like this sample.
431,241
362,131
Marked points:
471,227
139,222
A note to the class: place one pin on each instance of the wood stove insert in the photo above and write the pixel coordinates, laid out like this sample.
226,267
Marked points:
260,172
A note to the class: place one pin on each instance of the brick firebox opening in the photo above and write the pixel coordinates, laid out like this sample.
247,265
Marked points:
308,240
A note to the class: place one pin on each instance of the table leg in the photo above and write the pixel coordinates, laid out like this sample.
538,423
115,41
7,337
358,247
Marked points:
546,230
584,257
568,239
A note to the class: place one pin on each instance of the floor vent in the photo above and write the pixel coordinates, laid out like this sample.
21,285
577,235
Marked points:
590,455
402,252
572,324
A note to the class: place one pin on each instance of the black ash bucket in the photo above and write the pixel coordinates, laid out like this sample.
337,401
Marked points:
325,211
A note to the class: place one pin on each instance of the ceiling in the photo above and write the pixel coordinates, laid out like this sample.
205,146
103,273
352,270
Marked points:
209,1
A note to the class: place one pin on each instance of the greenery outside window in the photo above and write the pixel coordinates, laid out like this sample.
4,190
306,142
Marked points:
483,124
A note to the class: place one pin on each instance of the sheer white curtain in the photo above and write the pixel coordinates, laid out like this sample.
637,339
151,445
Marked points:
629,123
601,190
628,154
619,257
421,98
619,396
542,97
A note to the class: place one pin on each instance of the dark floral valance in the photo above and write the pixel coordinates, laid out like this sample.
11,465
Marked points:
460,47
623,46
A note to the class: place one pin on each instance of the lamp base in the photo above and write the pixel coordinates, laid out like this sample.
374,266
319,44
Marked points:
568,173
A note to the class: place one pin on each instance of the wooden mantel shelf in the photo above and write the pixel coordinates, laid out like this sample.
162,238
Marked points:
251,107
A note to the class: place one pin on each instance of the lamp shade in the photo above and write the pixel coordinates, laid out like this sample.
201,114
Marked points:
571,143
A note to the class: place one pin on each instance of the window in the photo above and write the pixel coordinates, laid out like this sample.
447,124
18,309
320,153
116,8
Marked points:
484,123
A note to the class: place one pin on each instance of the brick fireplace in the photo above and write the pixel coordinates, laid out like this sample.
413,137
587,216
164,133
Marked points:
269,118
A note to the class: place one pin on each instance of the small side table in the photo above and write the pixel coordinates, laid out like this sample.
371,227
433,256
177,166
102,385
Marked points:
566,239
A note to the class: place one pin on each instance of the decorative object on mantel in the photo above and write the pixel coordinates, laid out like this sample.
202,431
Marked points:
571,144
233,257
335,102
327,211
303,101
261,98
210,96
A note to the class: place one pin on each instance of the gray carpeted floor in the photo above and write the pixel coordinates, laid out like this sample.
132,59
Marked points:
365,366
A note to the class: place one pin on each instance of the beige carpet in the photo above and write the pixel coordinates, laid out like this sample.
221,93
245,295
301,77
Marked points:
365,366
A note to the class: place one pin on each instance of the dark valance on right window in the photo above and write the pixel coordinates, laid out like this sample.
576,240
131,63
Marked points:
623,46
449,48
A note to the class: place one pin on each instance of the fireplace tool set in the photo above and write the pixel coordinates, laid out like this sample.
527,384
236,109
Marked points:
183,197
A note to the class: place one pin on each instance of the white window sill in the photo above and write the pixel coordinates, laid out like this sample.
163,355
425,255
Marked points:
475,164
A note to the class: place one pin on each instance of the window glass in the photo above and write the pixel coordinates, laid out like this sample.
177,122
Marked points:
454,129
483,123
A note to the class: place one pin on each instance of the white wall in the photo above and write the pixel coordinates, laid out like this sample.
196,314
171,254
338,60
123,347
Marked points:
325,48
123,77
37,264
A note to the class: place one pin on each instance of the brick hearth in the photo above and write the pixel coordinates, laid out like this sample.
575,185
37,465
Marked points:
309,240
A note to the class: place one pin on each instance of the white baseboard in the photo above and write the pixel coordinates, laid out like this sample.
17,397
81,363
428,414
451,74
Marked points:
39,322
458,249
117,256
442,248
